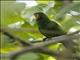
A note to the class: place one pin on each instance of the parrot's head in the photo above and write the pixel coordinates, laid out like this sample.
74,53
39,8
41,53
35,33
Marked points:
41,18
39,15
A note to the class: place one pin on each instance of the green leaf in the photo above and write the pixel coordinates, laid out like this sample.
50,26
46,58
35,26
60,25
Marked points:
28,12
7,45
28,56
32,30
66,9
69,22
10,12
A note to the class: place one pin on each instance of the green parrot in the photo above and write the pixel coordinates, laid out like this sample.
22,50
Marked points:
51,29
47,27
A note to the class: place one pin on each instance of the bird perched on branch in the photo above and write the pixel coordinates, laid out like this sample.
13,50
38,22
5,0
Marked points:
51,29
47,27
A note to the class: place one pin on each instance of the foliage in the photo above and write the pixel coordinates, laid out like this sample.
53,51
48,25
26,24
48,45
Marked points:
17,16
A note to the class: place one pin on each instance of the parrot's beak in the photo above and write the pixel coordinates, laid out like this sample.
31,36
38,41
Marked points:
35,16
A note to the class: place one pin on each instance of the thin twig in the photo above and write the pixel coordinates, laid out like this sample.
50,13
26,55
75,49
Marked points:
7,33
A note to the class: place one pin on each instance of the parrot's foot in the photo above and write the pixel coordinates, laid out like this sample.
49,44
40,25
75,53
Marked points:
46,39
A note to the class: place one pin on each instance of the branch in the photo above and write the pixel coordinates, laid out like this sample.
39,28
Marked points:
53,40
7,33
44,50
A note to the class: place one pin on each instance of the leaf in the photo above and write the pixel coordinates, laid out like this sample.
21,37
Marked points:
7,45
69,22
28,12
32,30
28,56
10,13
66,9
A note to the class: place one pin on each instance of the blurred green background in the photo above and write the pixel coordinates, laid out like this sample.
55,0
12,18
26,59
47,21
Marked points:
16,16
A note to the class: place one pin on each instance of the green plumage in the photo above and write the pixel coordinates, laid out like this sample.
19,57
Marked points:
51,29
46,27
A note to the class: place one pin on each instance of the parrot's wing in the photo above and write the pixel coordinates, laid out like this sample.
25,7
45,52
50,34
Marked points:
53,26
